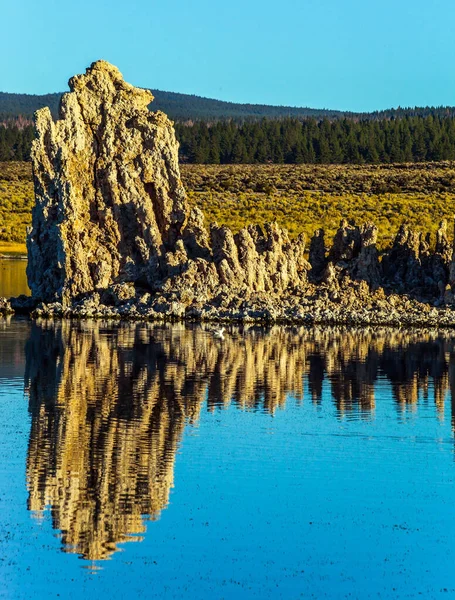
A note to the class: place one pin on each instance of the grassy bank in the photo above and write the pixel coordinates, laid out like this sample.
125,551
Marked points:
12,248
16,200
299,197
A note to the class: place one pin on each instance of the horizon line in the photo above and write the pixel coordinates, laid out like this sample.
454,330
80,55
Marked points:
282,106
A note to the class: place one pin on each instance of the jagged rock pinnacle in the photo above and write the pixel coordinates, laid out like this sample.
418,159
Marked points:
111,209
108,193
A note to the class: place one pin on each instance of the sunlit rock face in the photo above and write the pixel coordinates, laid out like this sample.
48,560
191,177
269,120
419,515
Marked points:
109,199
111,208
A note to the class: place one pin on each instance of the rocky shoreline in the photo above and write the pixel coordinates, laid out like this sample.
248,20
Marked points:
359,307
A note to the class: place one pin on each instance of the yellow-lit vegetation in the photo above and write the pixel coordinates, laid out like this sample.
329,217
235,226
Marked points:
16,201
298,197
303,198
11,248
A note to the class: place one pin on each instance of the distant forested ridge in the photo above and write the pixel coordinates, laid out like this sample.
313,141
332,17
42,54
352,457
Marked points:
186,107
16,106
293,141
217,132
180,107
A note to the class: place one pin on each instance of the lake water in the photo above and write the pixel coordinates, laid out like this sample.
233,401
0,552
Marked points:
13,280
139,460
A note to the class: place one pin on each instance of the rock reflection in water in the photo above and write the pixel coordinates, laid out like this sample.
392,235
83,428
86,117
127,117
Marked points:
106,420
109,405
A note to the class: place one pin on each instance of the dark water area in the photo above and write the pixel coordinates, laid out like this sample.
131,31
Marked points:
139,460
13,280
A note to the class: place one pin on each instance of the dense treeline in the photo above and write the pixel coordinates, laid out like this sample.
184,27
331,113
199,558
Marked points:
409,139
293,141
15,142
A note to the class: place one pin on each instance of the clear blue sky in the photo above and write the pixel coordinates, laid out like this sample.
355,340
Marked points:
351,54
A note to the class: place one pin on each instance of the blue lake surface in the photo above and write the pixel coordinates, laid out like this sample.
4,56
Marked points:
140,460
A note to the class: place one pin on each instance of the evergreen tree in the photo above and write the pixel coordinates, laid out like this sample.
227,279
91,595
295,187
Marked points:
403,138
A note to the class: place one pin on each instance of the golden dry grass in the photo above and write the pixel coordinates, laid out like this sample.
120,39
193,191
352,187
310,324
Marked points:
12,248
301,198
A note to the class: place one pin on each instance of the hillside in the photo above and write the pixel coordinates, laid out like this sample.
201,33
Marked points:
180,107
186,107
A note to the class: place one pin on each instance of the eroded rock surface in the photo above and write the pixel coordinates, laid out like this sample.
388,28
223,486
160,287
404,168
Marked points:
5,307
111,208
114,236
109,200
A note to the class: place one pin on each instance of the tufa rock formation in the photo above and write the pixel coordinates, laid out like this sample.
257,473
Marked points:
109,200
114,236
111,209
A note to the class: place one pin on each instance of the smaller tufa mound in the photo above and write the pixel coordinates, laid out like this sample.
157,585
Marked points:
353,252
402,266
203,266
5,307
